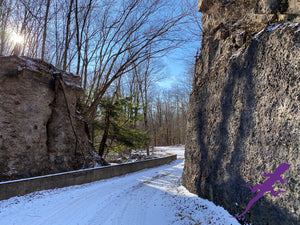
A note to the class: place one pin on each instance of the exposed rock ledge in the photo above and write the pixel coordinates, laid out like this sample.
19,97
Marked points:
41,131
245,108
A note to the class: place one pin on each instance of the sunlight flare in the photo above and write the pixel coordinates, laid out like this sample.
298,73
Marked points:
16,38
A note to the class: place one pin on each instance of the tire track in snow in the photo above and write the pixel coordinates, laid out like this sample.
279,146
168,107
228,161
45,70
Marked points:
149,197
107,200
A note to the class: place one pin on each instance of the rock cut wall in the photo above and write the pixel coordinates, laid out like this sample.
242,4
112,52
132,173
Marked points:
41,131
245,107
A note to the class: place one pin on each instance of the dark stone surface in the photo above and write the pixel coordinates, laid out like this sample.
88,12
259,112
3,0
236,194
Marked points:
244,113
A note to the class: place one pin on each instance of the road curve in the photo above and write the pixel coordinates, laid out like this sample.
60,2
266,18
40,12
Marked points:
149,197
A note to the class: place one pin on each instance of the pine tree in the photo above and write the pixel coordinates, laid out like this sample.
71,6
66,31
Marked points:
118,123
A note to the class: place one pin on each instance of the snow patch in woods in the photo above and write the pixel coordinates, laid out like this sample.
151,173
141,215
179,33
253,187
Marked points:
178,150
152,196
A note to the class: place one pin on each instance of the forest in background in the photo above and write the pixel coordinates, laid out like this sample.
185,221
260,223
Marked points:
116,47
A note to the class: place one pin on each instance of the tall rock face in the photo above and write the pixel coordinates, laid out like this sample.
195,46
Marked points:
245,108
41,131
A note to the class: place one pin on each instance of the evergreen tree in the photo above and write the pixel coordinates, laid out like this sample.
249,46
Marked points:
118,124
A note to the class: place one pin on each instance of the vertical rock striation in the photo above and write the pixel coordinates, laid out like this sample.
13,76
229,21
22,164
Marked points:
245,107
40,130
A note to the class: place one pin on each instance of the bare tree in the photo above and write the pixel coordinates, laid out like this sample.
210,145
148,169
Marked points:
125,43
45,29
102,41
168,116
80,26
67,35
143,80
192,17
5,12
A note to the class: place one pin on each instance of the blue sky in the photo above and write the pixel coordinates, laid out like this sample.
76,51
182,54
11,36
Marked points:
178,61
177,64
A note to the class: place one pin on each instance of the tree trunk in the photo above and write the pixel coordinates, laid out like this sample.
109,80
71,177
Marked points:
4,15
67,41
105,134
45,29
78,41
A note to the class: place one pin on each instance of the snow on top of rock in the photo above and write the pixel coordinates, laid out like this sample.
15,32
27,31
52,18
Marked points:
282,26
71,80
71,83
292,24
38,66
30,64
258,35
273,27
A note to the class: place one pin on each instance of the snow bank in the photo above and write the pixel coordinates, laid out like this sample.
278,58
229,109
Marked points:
152,196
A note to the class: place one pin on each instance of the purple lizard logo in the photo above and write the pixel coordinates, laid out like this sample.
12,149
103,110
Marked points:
267,185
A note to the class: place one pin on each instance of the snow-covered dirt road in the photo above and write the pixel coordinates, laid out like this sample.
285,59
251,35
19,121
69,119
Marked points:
149,197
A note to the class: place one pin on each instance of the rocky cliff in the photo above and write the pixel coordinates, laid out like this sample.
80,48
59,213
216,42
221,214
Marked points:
41,131
245,107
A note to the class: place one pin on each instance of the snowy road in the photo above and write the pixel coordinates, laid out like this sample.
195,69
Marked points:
149,197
